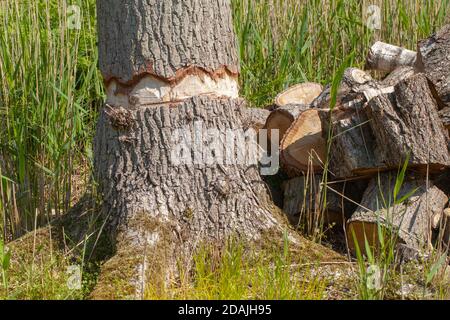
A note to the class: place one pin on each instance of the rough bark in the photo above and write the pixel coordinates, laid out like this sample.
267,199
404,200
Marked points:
399,74
303,202
406,124
303,148
382,127
351,146
444,114
165,38
386,57
409,221
434,60
156,199
180,169
282,118
303,93
256,118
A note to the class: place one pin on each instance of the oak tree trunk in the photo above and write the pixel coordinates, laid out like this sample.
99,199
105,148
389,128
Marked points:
171,68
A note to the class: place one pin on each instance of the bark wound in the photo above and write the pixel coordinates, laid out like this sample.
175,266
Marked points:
151,89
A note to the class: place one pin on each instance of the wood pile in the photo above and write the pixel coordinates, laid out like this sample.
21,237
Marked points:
369,163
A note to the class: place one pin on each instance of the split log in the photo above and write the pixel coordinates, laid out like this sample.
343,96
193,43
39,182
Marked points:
351,150
433,59
409,221
386,57
381,128
282,118
303,149
406,124
353,83
446,228
303,94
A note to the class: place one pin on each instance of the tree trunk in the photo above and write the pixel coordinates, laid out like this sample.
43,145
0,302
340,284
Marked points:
433,59
409,221
172,159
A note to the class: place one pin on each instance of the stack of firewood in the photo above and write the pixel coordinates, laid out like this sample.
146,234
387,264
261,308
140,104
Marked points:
363,140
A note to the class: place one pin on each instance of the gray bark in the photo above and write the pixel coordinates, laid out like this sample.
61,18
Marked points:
164,38
406,122
161,205
381,127
434,60
409,221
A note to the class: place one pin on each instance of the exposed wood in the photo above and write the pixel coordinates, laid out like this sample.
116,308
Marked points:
386,57
282,118
409,220
354,82
434,60
406,124
303,148
303,93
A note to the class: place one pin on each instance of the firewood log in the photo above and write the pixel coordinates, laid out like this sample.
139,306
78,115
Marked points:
408,221
303,148
387,57
433,59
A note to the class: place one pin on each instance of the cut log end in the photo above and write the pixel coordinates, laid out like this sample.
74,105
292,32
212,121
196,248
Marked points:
303,148
303,93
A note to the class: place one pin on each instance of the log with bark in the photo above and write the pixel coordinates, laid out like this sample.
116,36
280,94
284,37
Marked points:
288,106
404,213
387,57
171,74
382,127
433,59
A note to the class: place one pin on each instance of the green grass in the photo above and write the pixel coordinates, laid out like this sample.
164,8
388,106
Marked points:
237,273
51,91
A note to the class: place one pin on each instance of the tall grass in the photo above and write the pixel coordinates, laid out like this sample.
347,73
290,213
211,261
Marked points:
50,91
283,42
